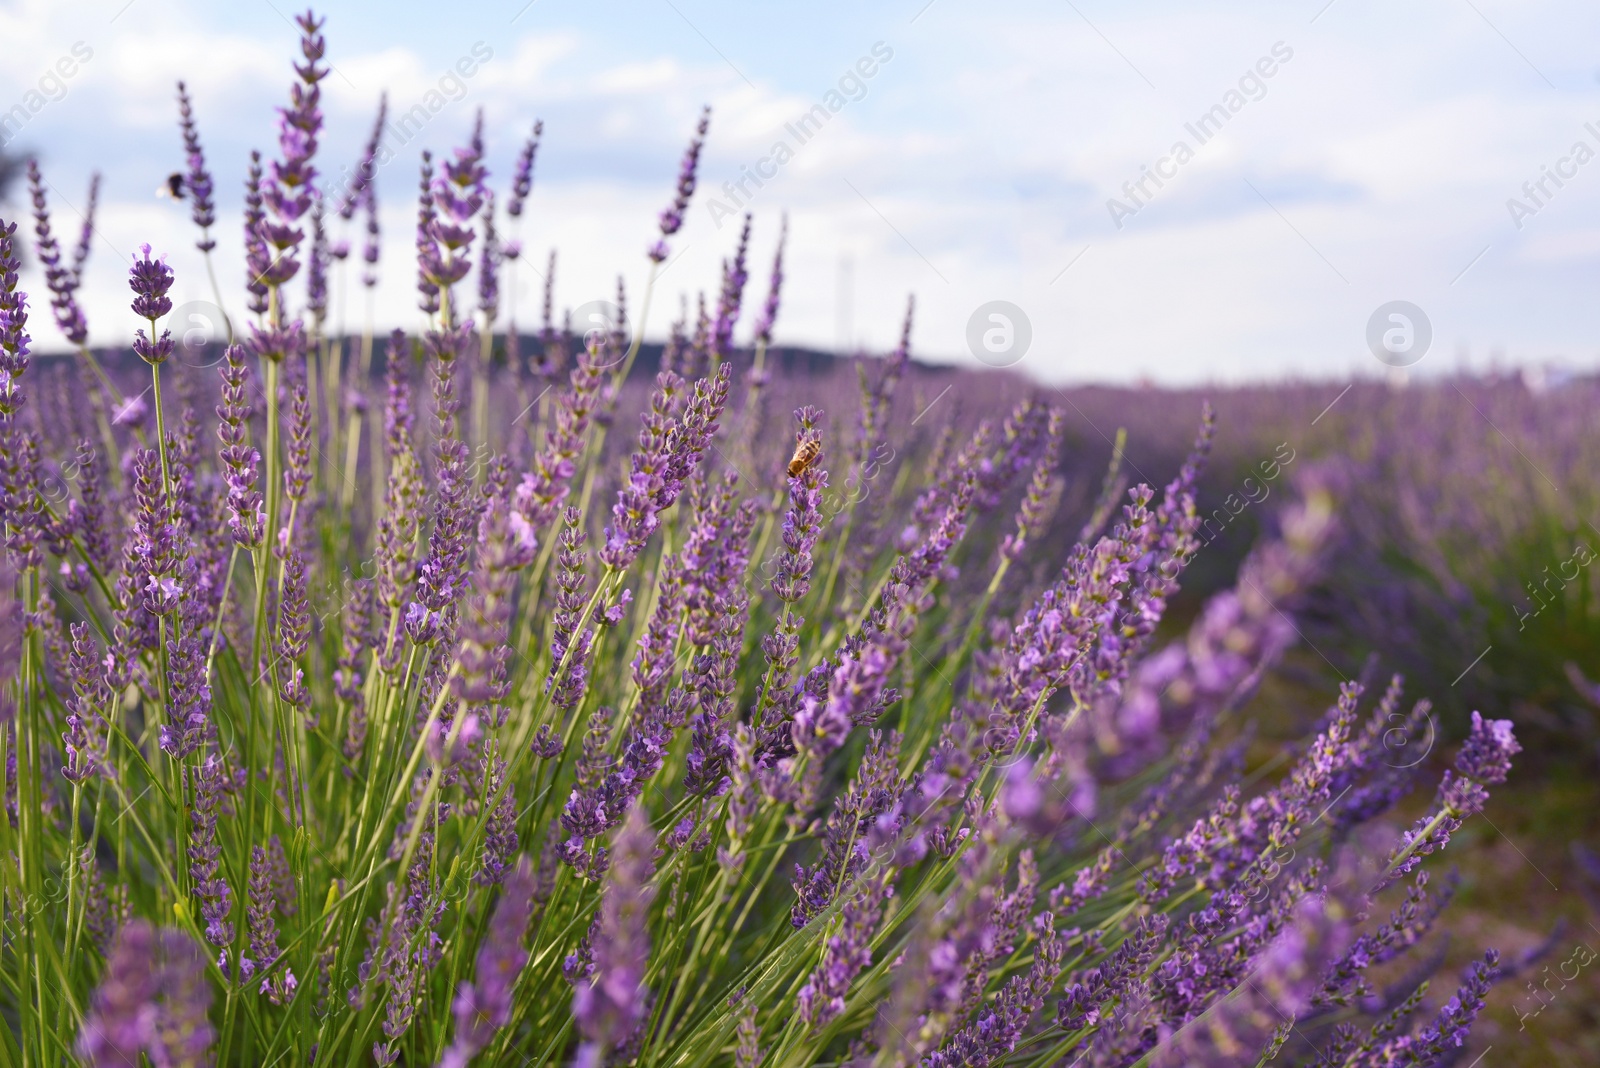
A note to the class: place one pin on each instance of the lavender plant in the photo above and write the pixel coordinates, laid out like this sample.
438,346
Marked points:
552,748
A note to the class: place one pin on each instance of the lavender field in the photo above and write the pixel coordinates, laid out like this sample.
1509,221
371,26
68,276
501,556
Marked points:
510,689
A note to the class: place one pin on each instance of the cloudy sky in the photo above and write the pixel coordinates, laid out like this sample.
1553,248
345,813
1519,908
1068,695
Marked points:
1316,161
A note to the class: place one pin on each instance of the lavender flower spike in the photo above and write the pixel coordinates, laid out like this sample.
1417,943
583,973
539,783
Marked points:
80,253
769,310
198,181
522,175
359,188
150,1003
247,517
1450,1025
483,1006
802,524
1484,759
845,955
150,281
278,987
62,281
122,1018
369,247
289,188
84,737
672,217
184,1035
612,1003
14,340
205,853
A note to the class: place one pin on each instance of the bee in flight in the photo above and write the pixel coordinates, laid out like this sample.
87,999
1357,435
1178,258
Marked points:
172,187
805,454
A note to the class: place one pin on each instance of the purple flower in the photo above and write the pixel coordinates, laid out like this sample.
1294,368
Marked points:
1484,758
84,738
802,524
427,254
672,217
500,834
611,1004
359,188
505,545
297,468
279,987
13,325
483,1006
1000,1024
404,944
844,956
769,310
850,826
355,638
258,258
189,692
205,852
544,488
570,640
317,269
121,1023
61,280
153,1000
293,632
130,413
289,189
86,232
1043,489
1487,754
1451,1024
734,276
1345,982
489,258
1279,988
445,750
106,910
522,174
635,513
184,1035
941,978
713,680
875,397
443,575
197,182
369,247
277,343
1092,989
150,280
153,350
246,507
444,230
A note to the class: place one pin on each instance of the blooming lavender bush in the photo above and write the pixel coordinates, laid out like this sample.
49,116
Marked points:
377,733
